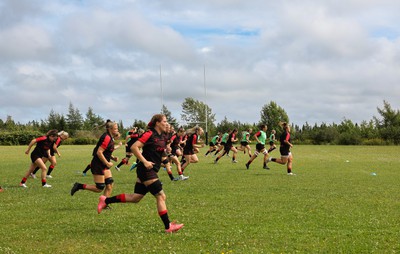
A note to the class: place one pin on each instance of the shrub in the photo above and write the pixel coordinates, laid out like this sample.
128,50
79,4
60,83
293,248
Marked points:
18,137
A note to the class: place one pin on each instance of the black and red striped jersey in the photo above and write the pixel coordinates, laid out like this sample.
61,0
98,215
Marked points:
154,146
107,143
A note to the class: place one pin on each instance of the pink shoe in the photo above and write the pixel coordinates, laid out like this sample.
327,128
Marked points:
173,227
102,203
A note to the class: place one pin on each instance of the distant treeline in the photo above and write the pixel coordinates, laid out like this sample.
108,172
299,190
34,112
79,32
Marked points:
85,130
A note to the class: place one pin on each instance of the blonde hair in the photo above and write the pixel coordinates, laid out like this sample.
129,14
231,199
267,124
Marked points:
63,133
193,130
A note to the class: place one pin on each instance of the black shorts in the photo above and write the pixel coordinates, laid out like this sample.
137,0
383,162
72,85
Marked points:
98,167
187,151
284,151
145,174
36,155
244,143
173,150
260,147
212,144
227,148
140,188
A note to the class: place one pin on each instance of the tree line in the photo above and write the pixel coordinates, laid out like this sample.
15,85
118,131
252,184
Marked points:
84,129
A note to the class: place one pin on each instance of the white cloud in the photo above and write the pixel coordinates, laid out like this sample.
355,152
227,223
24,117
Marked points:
321,61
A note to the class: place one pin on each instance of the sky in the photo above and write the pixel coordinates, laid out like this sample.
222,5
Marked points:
321,61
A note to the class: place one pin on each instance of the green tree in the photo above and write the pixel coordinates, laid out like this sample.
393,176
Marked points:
10,124
55,121
74,119
225,125
194,112
171,120
368,130
139,124
271,115
389,125
92,120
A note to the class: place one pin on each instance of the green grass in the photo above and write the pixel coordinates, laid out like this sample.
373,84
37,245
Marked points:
330,206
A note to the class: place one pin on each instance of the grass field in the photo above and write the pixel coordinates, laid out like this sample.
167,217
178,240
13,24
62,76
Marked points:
335,204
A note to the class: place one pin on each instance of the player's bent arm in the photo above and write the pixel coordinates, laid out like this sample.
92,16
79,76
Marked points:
135,148
102,158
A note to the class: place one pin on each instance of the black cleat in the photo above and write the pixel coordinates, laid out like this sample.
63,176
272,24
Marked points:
247,165
75,188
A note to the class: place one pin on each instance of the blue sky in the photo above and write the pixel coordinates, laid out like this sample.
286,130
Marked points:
322,61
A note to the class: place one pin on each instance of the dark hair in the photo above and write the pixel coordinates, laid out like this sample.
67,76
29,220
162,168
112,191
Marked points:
156,118
53,132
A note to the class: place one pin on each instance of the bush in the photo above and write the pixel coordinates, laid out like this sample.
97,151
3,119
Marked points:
375,142
82,141
18,137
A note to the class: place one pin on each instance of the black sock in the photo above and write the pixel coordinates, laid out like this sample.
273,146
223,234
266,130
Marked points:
87,168
35,170
50,170
122,162
116,199
171,176
165,219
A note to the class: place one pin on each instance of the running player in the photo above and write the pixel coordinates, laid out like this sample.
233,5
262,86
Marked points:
89,166
260,136
101,163
229,146
62,135
286,155
214,143
175,152
41,151
131,138
192,146
224,138
153,143
244,143
272,140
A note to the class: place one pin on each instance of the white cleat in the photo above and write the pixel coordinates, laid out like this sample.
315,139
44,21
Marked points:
49,176
183,178
23,185
46,186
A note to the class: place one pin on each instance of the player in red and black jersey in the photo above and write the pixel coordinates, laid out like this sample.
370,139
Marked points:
132,136
174,151
62,135
153,145
41,151
89,166
101,163
192,146
286,155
